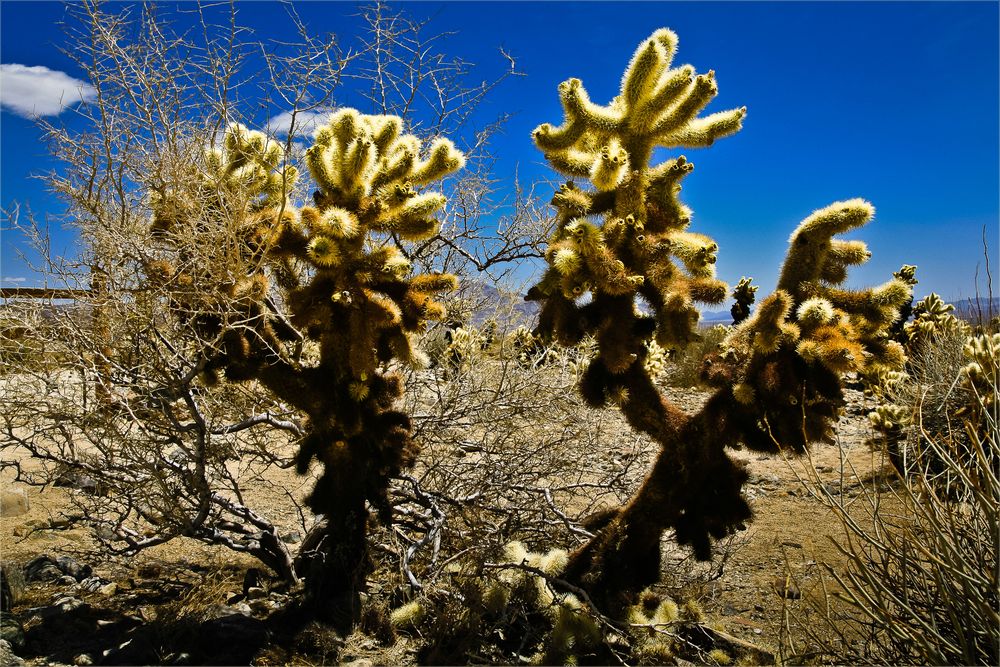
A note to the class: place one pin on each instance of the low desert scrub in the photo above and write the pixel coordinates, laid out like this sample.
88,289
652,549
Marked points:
686,365
921,576
944,397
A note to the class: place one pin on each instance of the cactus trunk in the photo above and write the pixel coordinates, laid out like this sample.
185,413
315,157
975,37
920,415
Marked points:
334,559
693,484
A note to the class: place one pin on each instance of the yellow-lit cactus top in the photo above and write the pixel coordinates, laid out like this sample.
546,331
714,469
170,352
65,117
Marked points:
982,374
362,294
245,175
845,330
629,234
249,159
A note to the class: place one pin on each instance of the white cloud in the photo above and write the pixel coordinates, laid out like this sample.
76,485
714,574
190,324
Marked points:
306,122
32,91
13,280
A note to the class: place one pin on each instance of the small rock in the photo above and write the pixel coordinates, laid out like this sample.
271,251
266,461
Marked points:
108,589
251,580
794,545
757,631
83,659
786,588
824,468
360,662
292,537
106,533
60,523
150,571
262,606
11,632
91,584
77,480
68,604
66,580
62,605
14,503
42,568
73,568
29,527
7,655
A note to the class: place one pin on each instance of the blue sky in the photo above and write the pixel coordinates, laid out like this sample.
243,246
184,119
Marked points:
894,102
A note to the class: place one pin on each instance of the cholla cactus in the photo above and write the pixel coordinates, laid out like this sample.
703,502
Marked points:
466,344
932,317
628,236
907,274
744,293
982,374
643,246
345,287
890,420
656,359
574,627
531,350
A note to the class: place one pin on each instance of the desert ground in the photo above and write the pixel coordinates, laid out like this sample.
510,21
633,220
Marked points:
764,586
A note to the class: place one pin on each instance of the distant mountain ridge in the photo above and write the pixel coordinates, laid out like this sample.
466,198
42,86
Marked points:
974,309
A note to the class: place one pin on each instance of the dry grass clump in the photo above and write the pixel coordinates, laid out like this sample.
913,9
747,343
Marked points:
922,576
931,404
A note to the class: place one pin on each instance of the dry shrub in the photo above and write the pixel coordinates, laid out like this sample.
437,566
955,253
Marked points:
938,401
920,584
508,453
684,369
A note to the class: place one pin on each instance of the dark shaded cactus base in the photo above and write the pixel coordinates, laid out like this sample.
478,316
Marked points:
334,563
693,488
